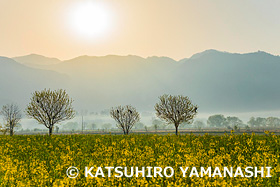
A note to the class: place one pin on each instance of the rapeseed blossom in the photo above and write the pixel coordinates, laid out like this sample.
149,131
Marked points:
43,160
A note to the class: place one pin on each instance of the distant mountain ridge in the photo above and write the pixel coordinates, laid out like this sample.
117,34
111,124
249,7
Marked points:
36,61
18,81
40,59
215,80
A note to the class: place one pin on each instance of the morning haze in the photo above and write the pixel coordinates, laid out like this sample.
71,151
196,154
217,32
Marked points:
176,29
217,81
109,53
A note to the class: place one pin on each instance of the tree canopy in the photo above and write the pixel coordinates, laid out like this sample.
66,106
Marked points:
176,109
50,107
125,116
12,116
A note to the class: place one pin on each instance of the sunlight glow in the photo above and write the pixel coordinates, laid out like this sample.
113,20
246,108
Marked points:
89,19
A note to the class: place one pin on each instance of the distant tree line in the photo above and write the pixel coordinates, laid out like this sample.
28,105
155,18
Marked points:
234,122
264,122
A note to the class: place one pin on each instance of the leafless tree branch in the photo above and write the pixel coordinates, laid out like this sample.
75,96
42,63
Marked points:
125,116
175,109
50,107
12,116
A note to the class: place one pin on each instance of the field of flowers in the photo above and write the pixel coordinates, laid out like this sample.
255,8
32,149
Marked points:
42,160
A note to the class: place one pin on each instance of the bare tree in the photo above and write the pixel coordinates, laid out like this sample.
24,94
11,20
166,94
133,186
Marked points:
12,116
125,116
175,110
50,107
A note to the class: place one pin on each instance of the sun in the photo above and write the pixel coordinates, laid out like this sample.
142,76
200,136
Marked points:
90,19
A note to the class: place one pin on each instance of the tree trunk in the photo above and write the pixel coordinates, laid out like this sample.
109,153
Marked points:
176,129
11,129
50,131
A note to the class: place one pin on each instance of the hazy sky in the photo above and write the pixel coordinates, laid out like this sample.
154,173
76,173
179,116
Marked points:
177,28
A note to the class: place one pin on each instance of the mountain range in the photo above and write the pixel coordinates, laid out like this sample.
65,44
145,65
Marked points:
216,81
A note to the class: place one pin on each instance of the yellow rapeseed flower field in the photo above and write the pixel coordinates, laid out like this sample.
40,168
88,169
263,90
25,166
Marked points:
42,160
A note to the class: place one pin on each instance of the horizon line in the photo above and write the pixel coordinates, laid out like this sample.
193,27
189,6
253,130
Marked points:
100,56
